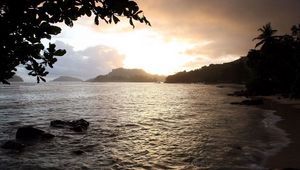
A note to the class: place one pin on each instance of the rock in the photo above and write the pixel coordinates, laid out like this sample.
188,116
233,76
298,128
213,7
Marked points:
240,93
31,133
80,125
48,136
78,152
78,128
13,145
58,123
250,102
220,86
81,122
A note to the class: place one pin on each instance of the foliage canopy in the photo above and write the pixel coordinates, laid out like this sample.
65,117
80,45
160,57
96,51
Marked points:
273,67
25,23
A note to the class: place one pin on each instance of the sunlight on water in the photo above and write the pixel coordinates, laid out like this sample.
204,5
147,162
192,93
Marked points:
134,126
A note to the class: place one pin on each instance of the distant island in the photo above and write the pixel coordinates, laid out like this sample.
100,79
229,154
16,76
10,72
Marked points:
16,78
128,75
232,72
67,78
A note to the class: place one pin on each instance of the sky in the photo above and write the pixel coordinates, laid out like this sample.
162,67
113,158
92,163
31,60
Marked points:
185,35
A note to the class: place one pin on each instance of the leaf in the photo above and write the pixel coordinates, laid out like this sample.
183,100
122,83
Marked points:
259,43
138,12
96,20
88,12
69,22
60,52
39,46
54,30
131,23
47,36
116,20
28,67
37,56
42,79
51,48
4,81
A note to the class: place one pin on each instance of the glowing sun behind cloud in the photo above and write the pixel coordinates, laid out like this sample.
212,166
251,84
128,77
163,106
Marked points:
142,48
151,52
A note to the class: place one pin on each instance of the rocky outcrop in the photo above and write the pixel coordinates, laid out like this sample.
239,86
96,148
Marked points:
80,125
251,102
128,75
67,78
16,78
78,152
11,144
26,135
31,133
241,93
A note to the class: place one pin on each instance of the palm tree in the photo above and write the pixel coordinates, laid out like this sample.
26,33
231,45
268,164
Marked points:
296,31
266,36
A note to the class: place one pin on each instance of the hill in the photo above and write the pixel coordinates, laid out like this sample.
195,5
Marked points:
128,75
232,72
16,78
67,78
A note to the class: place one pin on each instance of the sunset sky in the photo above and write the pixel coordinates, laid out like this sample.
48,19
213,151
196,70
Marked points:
185,35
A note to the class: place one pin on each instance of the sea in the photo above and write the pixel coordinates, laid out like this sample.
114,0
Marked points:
137,126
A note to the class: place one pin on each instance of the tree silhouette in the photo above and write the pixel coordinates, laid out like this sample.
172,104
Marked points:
276,66
25,23
296,32
272,69
266,36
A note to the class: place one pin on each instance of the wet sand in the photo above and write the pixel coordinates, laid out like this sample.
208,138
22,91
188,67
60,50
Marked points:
289,111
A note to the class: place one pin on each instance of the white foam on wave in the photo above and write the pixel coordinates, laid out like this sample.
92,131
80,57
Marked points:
278,137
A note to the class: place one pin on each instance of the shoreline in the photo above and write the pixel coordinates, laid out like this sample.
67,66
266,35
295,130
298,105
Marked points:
289,112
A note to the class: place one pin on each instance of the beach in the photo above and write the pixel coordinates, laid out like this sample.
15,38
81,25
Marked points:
289,111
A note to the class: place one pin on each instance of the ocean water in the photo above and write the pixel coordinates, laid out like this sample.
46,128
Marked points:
137,126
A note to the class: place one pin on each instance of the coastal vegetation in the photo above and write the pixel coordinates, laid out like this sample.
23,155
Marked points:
26,23
16,78
67,78
273,67
232,72
128,75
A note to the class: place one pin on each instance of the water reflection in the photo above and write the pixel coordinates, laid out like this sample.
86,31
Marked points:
134,126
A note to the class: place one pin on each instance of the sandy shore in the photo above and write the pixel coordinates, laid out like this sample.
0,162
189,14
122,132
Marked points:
289,111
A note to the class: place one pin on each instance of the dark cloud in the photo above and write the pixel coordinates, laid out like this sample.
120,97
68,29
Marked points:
229,24
84,64
87,63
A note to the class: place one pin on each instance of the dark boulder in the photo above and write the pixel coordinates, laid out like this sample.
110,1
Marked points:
241,93
58,123
31,133
78,152
80,125
251,102
78,128
13,145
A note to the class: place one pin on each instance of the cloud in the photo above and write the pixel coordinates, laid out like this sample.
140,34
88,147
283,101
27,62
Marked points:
83,64
230,25
87,63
